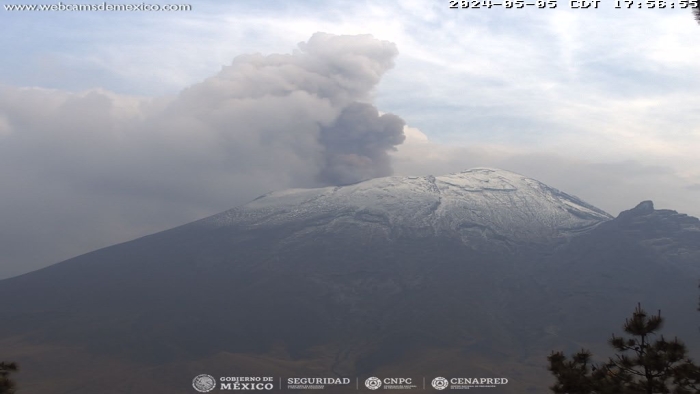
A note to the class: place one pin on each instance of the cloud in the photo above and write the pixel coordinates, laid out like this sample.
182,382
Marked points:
84,170
613,186
5,128
357,145
576,99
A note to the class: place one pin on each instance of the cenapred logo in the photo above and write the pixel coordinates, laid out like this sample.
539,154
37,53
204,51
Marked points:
204,383
373,383
440,383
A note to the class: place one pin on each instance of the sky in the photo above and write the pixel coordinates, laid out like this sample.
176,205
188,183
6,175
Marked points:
115,125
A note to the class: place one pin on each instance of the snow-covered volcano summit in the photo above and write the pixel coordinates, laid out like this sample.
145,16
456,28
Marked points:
481,202
429,274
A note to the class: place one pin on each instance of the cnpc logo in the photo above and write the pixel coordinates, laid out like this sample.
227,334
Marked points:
374,382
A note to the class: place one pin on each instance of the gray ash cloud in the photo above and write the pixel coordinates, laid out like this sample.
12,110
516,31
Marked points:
82,170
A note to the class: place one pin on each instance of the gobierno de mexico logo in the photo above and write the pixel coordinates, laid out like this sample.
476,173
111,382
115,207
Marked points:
204,383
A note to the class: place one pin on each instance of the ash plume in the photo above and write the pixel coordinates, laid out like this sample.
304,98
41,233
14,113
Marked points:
116,167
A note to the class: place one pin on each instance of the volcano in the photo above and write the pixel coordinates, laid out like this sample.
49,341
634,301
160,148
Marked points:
480,273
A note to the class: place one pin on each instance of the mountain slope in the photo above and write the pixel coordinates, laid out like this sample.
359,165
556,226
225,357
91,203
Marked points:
478,273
